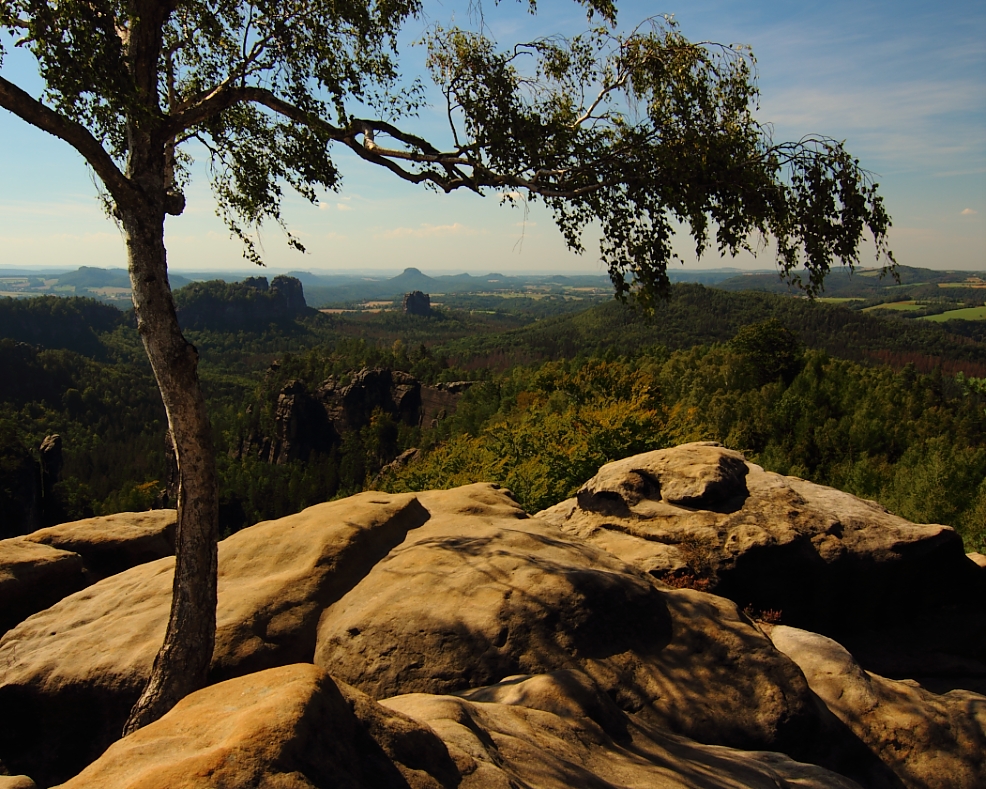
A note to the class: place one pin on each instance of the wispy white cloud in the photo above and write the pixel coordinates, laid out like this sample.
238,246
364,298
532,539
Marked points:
905,127
969,212
433,231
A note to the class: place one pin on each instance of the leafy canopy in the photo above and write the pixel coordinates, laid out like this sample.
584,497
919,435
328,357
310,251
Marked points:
634,133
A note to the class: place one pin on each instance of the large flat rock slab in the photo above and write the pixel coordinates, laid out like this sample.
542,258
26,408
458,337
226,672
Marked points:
537,654
40,568
70,674
111,544
33,577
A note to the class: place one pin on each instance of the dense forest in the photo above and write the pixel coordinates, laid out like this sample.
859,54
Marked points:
884,408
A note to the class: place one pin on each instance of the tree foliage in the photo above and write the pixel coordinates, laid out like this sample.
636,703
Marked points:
637,131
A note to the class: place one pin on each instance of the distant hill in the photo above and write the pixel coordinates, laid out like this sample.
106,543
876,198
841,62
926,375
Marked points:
51,322
864,283
698,315
111,286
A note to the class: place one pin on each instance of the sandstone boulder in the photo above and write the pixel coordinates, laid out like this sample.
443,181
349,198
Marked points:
69,674
482,591
16,782
290,727
40,568
560,730
699,515
113,543
33,577
927,739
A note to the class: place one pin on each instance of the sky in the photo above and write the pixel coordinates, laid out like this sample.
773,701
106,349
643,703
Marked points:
902,83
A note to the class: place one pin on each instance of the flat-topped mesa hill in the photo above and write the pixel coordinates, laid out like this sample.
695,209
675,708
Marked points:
250,305
687,620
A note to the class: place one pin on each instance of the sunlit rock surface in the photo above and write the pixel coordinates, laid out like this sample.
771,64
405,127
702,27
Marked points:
448,639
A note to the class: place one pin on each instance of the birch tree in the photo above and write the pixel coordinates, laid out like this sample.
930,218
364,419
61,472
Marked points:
637,133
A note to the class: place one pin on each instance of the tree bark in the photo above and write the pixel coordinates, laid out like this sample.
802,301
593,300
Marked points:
182,664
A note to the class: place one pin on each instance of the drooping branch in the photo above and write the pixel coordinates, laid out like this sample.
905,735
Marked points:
29,109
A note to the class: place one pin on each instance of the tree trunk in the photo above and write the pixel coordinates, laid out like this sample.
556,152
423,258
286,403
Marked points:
183,662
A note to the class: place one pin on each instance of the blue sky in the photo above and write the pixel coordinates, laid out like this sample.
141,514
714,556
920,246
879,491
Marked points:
903,83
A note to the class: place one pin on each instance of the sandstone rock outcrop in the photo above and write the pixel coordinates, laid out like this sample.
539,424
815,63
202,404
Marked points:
416,303
701,515
559,730
293,727
457,605
447,639
290,727
33,577
308,422
110,544
249,305
69,674
29,501
40,568
926,738
301,427
17,782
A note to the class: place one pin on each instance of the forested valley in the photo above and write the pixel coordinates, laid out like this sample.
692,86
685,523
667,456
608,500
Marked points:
511,390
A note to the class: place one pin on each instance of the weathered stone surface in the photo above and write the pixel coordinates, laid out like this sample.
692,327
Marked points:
549,659
289,727
16,782
309,422
439,402
351,406
40,568
113,543
33,577
482,592
928,740
69,674
291,291
825,560
560,730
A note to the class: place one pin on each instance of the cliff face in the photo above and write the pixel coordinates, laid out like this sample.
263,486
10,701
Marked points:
28,500
448,639
250,305
416,303
307,422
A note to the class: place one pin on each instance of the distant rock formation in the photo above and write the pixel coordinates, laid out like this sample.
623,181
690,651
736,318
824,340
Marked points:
308,422
291,291
448,640
416,303
249,305
29,500
50,468
301,426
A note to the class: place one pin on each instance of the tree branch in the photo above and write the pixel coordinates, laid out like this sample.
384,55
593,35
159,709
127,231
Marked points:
29,109
451,179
